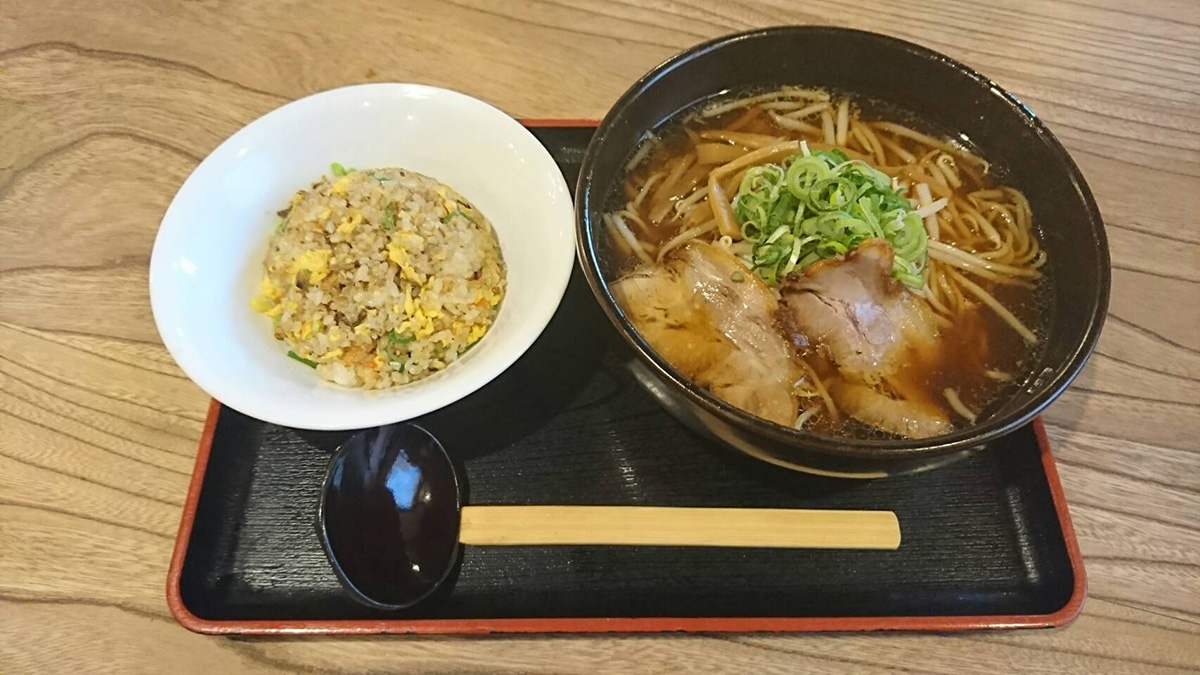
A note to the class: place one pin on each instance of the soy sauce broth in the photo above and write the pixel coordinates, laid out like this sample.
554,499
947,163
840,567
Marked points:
977,343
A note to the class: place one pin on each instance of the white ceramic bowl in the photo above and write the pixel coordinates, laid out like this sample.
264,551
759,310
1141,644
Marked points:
208,256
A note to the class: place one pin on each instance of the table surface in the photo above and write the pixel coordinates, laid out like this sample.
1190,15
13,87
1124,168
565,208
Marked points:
106,107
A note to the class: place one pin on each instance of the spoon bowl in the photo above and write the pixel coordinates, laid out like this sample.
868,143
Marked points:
389,515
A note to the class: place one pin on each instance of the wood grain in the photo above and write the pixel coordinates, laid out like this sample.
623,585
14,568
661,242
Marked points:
105,108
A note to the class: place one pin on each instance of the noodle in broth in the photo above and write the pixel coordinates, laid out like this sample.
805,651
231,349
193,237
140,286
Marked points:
792,183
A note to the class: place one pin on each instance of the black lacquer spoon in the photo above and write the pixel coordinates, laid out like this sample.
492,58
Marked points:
391,520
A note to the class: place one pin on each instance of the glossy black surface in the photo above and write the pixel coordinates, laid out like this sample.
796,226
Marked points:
389,515
567,424
936,94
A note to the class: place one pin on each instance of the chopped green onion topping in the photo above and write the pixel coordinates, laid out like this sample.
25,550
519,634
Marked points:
737,277
389,215
822,205
338,169
457,212
308,362
395,340
279,225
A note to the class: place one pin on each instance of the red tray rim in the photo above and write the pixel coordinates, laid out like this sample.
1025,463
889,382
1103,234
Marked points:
188,620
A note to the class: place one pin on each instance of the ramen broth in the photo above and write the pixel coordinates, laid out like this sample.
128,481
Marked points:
980,357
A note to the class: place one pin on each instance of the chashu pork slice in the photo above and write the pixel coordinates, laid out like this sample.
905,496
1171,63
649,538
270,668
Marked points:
870,326
718,332
863,318
911,418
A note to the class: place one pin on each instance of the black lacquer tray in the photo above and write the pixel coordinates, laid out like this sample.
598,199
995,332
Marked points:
987,541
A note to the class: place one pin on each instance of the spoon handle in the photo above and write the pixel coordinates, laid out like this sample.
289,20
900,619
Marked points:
669,526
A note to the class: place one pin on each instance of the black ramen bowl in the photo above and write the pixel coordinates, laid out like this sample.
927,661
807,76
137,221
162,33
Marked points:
929,92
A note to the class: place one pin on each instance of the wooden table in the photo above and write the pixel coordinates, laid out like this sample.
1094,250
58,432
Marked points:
104,109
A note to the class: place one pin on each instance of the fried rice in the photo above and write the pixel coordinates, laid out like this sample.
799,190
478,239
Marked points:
379,278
